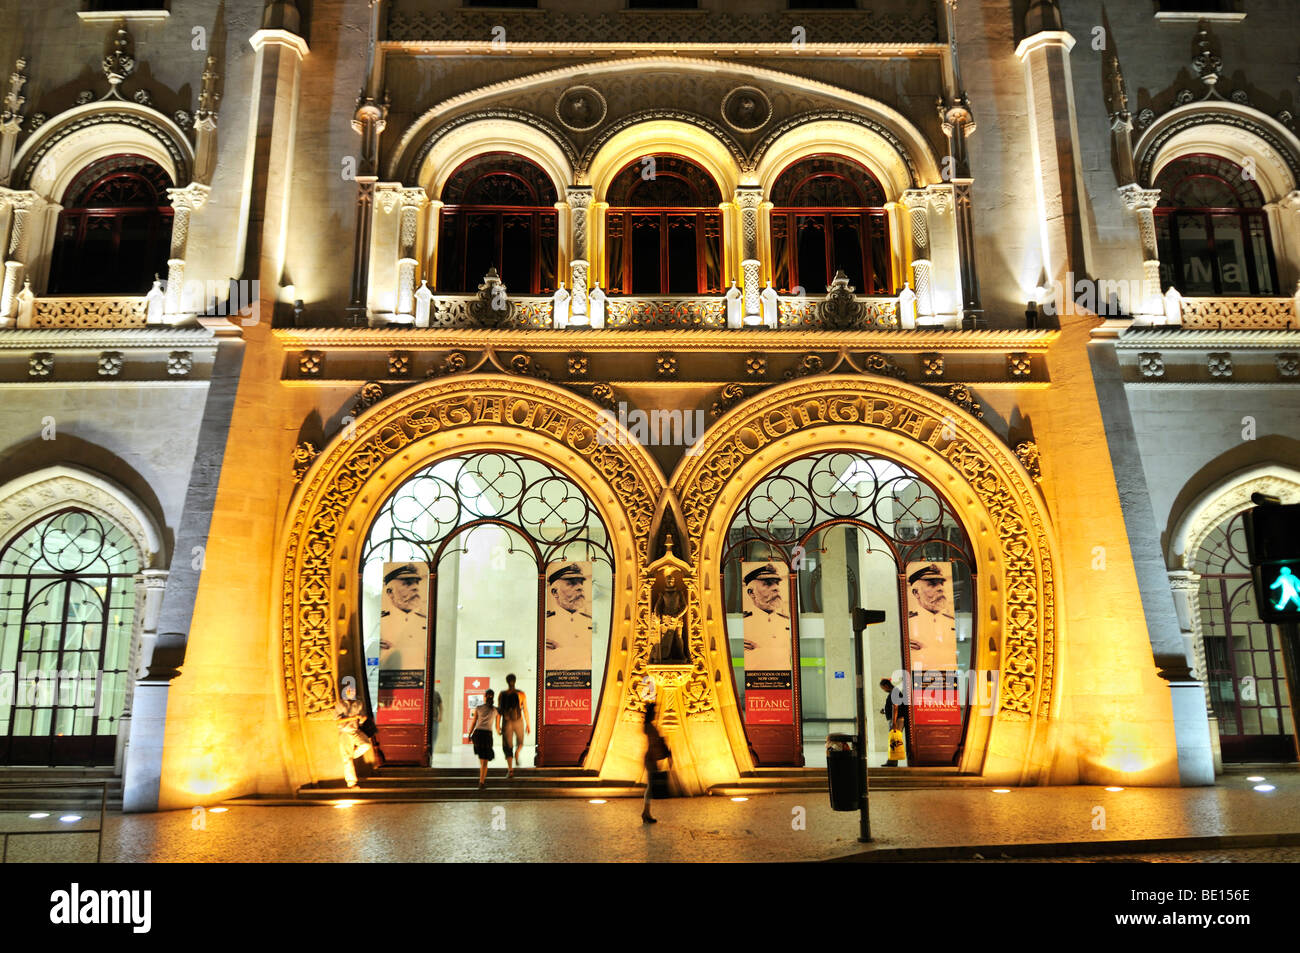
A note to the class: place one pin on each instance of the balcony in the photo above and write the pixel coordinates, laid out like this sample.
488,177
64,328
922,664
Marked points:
1259,314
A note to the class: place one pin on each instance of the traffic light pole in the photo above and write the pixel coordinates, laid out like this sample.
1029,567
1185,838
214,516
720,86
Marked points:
861,619
1289,635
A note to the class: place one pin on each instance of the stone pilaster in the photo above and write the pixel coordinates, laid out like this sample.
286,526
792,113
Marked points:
23,210
1143,202
1186,587
413,201
916,203
579,198
1053,141
749,200
185,202
205,124
11,120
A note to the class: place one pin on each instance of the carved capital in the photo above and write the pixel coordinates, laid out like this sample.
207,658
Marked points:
1136,198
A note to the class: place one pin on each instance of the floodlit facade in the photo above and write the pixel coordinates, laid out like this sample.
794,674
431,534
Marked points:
391,348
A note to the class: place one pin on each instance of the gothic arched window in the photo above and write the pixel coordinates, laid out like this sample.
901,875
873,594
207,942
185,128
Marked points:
663,229
498,212
67,613
828,215
1243,656
1211,229
115,229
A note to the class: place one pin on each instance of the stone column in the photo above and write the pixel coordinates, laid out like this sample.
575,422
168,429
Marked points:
1186,588
23,209
917,204
149,587
185,201
837,627
413,203
1143,202
579,197
11,120
1053,141
277,73
1284,225
749,200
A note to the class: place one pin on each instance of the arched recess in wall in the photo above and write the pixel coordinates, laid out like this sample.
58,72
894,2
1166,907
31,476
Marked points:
1221,604
1259,144
81,564
346,485
990,491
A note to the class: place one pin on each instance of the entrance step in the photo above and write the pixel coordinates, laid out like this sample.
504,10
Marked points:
57,789
802,780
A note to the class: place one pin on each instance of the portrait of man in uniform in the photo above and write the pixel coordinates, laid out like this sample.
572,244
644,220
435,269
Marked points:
403,619
568,616
766,618
931,622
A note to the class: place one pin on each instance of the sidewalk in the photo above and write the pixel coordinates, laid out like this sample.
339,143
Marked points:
904,824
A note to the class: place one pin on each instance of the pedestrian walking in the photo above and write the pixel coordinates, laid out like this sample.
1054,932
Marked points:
513,708
656,750
480,735
895,713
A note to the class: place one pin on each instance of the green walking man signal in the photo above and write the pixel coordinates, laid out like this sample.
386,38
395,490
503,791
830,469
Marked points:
1273,542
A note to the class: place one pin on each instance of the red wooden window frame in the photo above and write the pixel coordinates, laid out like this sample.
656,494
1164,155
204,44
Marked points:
855,197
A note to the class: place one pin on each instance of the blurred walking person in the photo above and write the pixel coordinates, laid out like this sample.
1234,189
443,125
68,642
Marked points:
656,750
513,708
480,734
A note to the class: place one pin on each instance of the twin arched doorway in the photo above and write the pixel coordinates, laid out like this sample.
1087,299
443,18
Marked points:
957,483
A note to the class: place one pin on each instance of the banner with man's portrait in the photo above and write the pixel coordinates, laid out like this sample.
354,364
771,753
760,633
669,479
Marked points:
932,644
769,679
567,638
403,644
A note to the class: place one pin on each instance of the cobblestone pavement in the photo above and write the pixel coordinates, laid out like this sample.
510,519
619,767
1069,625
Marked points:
787,827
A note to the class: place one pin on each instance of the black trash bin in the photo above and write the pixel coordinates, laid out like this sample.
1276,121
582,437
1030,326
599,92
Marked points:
842,771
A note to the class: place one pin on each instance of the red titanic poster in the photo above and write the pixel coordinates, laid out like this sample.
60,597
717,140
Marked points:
568,643
404,644
769,682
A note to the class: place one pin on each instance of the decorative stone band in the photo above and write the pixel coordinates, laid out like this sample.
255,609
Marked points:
90,312
1240,313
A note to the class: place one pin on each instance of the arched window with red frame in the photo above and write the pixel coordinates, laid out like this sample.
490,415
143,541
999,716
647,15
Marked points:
1211,229
828,215
663,229
498,212
115,229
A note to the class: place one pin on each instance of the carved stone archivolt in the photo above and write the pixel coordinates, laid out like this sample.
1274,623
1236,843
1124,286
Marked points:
338,498
1017,574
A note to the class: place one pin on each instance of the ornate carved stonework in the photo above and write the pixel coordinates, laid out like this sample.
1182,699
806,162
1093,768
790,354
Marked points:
40,364
311,363
1027,451
961,395
580,108
755,365
1288,365
1019,365
603,396
1027,590
1151,364
877,363
180,363
746,109
29,503
303,456
372,392
666,364
577,364
90,312
110,363
1220,364
932,364
645,27
399,363
1230,313
316,611
731,395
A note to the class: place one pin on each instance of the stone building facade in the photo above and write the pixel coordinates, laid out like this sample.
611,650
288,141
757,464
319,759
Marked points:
667,294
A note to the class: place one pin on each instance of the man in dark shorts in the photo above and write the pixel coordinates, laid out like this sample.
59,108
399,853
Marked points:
513,707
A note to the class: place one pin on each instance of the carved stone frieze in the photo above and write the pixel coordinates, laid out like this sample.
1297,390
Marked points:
303,456
90,312
1229,313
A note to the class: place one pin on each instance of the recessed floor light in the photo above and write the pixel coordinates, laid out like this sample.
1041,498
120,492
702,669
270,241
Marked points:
597,800
1256,778
38,815
1265,788
69,818
1002,790
1114,789
739,799
218,810
346,804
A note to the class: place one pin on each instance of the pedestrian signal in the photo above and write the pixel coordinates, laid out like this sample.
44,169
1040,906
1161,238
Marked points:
1273,543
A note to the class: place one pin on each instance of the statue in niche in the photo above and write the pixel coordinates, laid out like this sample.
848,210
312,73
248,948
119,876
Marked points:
668,614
